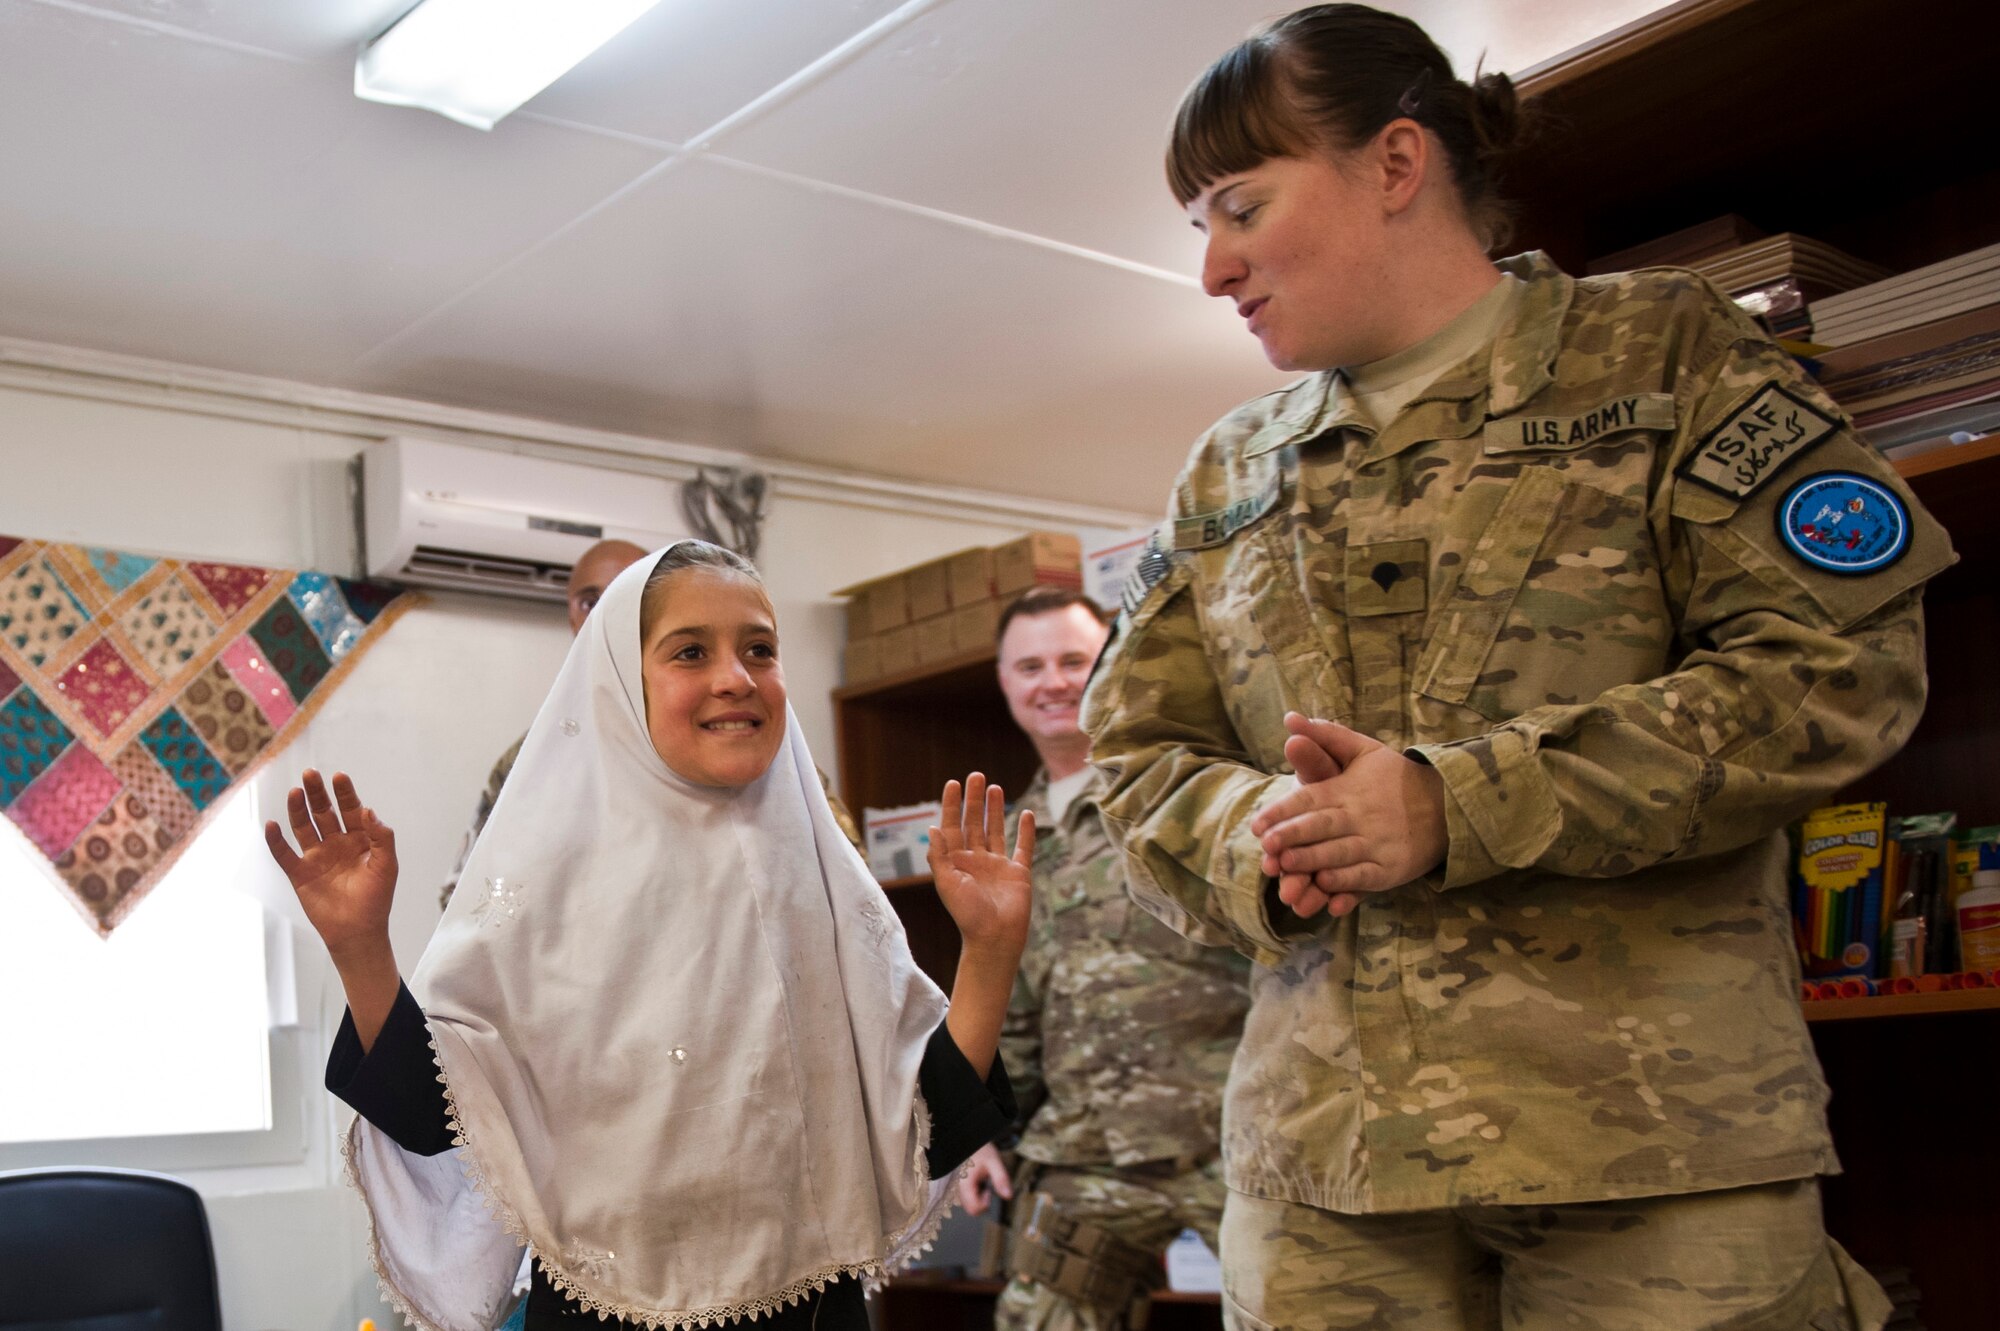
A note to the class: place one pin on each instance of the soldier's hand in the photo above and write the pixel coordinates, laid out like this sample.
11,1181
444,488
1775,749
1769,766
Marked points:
985,1176
1374,823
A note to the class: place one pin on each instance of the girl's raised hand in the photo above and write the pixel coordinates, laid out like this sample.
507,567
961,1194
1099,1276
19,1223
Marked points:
344,870
986,890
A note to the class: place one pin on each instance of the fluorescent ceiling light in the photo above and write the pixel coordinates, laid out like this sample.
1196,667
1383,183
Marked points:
477,60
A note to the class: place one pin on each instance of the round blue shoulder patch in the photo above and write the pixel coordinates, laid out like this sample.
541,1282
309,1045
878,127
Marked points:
1844,523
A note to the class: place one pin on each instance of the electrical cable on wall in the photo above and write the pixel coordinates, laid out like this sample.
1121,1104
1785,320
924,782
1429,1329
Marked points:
730,498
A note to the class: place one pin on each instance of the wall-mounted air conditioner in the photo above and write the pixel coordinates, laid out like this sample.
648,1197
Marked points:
480,520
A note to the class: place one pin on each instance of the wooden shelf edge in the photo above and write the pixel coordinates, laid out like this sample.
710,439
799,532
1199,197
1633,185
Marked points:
905,884
1620,44
902,679
1947,458
1902,1005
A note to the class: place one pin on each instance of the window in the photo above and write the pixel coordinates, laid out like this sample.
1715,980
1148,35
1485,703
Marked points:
159,1030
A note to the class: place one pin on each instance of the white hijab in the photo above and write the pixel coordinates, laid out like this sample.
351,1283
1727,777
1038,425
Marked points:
679,1030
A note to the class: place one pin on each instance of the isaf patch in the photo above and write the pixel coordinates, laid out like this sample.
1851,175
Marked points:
1844,523
1738,456
1206,529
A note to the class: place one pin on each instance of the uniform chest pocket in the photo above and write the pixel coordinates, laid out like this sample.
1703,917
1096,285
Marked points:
1558,600
1266,654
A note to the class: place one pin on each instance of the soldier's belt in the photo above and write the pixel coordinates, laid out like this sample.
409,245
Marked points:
1082,1262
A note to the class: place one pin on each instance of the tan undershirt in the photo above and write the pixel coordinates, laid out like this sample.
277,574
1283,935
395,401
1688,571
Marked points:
1382,388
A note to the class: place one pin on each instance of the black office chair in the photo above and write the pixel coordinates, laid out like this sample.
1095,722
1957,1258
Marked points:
104,1250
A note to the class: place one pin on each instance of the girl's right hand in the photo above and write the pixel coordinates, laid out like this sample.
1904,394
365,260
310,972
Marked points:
345,868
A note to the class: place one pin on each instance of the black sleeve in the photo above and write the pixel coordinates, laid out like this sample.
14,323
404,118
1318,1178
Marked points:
966,1113
395,1085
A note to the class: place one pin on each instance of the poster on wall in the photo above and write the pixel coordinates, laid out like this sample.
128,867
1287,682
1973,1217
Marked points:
136,691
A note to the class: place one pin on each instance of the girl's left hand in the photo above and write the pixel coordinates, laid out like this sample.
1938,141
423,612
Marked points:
986,890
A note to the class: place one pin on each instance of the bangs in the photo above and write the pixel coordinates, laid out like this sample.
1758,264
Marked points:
1235,116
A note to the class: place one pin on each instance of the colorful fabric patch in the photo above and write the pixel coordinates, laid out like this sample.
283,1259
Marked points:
326,612
178,749
112,857
146,781
169,628
31,738
118,569
1844,523
38,611
1772,428
99,646
104,687
230,586
64,800
290,647
246,664
229,724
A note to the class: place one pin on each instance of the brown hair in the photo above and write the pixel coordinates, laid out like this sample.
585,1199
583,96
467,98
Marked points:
685,555
1046,600
1330,77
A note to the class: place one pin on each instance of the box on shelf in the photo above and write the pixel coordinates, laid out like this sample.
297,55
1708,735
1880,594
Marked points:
970,573
972,626
1106,569
862,660
898,649
899,839
1837,906
1039,557
860,614
877,605
934,642
929,588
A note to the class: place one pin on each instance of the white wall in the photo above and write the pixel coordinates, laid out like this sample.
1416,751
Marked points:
417,724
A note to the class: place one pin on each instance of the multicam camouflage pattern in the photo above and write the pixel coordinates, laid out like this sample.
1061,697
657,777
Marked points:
1119,1034
498,778
1750,1259
1148,1212
1628,685
487,799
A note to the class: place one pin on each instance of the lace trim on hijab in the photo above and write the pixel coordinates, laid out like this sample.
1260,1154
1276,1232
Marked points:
915,1238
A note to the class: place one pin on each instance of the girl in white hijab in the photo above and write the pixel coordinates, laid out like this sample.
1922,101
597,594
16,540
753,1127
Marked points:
668,1034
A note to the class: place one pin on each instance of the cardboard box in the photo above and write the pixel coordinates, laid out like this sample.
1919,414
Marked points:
929,587
863,660
898,839
860,614
888,603
1051,557
972,626
934,639
971,576
898,649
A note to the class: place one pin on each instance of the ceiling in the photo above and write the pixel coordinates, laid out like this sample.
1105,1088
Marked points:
928,240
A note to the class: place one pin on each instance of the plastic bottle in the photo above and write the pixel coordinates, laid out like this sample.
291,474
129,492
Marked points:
1979,922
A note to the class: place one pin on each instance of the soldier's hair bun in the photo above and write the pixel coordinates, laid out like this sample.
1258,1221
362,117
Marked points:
1331,76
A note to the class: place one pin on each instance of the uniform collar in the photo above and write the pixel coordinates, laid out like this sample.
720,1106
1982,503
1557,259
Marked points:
1520,364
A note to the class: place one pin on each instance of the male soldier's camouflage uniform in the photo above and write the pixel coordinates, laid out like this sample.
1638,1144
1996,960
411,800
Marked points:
1117,1041
1556,577
505,766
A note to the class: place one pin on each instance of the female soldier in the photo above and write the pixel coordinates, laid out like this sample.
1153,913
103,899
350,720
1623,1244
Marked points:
669,1022
1546,555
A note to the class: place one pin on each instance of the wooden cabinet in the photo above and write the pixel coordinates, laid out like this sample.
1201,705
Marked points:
1863,123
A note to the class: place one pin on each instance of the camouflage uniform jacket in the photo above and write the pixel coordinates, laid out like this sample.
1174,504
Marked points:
1120,1032
505,766
1556,577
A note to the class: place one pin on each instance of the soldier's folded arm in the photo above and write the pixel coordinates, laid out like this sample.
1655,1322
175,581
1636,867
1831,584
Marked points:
1792,681
1181,785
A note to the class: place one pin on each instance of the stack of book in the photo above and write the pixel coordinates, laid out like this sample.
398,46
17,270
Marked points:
1923,296
1784,278
1913,389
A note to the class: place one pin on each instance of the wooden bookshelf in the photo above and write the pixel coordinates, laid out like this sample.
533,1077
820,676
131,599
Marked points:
1858,123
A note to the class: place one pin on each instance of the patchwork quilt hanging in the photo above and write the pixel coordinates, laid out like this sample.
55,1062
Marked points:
134,692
